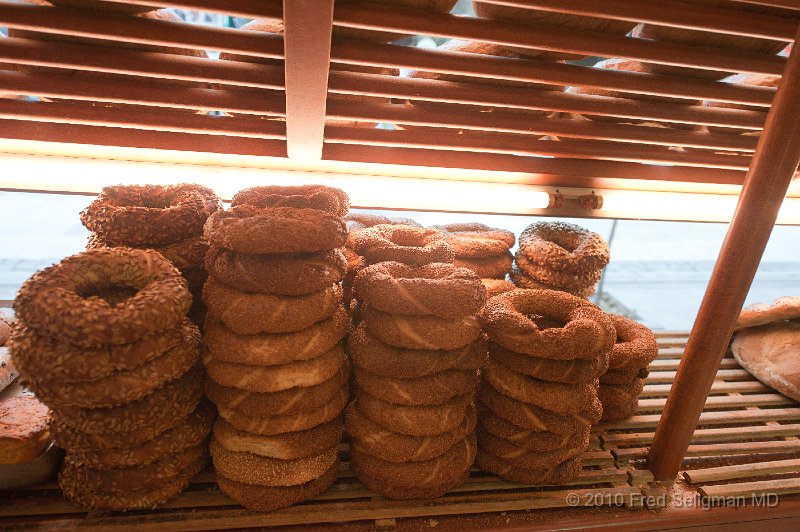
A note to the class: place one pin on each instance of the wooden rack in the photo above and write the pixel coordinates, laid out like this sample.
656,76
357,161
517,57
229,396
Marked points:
748,440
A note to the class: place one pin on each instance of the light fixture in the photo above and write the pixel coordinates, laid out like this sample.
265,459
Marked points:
583,202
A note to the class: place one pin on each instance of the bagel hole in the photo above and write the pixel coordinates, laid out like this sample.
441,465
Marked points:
545,322
113,295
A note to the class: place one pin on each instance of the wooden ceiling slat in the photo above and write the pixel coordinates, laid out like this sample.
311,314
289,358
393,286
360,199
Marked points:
308,25
544,37
240,101
574,172
670,13
137,117
523,98
132,62
139,30
267,9
510,122
788,4
522,145
387,55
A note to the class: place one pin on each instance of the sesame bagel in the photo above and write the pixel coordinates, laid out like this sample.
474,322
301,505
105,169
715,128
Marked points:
433,289
331,200
565,371
569,281
636,345
273,349
427,420
249,468
564,247
623,377
533,440
475,240
620,401
184,255
521,280
495,287
562,473
421,332
370,354
525,458
414,246
431,389
286,446
362,220
491,266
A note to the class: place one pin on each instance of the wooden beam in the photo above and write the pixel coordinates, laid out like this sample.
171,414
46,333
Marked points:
773,166
308,25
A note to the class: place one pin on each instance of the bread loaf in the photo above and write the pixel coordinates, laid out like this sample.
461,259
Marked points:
771,354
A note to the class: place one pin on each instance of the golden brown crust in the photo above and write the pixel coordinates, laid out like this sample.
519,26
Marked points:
249,468
327,199
121,387
564,247
529,283
42,355
23,429
60,301
421,332
400,243
587,332
5,331
491,266
623,377
250,229
447,468
280,274
523,458
142,420
533,440
184,255
534,418
358,220
425,420
150,214
278,403
783,308
576,282
620,401
562,473
245,313
272,349
268,498
270,379
83,495
373,439
476,240
564,371
286,446
427,492
257,423
438,289
377,357
190,433
636,345
562,399
431,389
495,287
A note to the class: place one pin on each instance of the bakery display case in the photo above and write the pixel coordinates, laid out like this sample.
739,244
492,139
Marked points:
683,110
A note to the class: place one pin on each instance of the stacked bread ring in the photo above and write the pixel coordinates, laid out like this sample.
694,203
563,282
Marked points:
480,248
276,365
539,392
103,340
168,219
559,256
621,385
416,358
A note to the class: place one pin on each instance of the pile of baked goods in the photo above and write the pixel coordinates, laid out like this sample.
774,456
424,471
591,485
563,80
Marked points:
621,385
560,256
539,395
416,358
103,340
276,364
480,248
168,219
767,344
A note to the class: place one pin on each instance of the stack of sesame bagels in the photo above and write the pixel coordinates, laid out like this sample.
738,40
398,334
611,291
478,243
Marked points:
416,359
621,385
166,218
480,248
276,364
539,391
103,340
559,256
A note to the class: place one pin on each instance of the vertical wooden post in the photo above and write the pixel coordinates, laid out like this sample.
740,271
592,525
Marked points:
771,171
308,25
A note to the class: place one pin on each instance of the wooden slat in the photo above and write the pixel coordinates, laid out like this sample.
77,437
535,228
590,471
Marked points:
749,489
669,13
773,167
717,450
665,364
139,30
710,434
522,98
758,469
387,55
307,26
510,122
551,38
659,390
735,417
264,9
723,374
724,401
521,145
